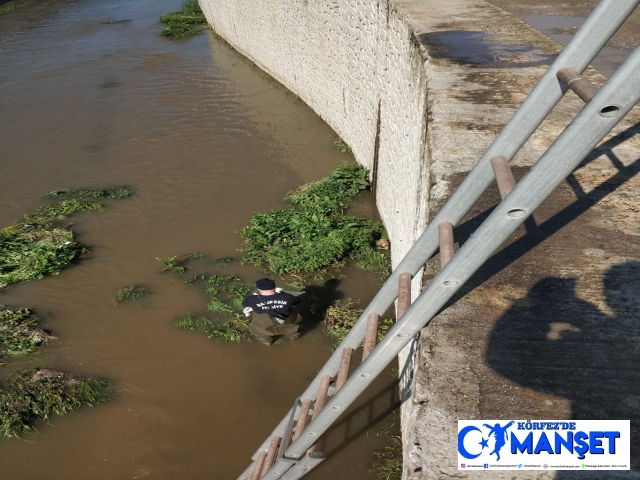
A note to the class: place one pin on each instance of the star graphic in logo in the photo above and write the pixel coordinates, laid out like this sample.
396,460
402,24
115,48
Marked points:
484,443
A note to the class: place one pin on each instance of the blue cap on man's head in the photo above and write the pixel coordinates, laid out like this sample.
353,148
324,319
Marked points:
265,284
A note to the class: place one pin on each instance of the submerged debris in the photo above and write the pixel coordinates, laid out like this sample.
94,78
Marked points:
132,293
19,334
181,24
39,393
37,245
314,233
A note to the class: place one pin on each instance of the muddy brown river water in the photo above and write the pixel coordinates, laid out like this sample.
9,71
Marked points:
204,139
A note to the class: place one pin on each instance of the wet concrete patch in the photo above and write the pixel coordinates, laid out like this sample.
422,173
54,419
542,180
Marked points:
481,49
485,88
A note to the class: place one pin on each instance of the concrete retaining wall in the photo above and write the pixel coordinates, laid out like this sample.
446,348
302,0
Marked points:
359,67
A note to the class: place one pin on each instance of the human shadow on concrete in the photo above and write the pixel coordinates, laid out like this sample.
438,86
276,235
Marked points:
553,342
536,234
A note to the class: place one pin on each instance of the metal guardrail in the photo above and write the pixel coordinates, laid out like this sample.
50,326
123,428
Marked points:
601,113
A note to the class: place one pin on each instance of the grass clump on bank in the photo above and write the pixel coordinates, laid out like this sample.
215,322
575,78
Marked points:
38,394
341,145
225,294
36,245
388,463
132,293
181,24
314,233
19,334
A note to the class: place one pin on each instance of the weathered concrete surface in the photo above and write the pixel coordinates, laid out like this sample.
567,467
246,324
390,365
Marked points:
560,19
515,345
419,89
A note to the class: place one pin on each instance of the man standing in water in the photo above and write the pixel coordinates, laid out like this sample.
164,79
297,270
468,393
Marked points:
272,312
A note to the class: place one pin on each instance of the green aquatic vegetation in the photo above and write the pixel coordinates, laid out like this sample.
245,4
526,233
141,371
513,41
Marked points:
37,245
191,321
9,6
181,24
115,22
173,265
40,393
194,256
233,330
341,145
178,30
314,233
116,193
388,463
225,294
228,289
19,332
132,293
177,264
225,261
340,318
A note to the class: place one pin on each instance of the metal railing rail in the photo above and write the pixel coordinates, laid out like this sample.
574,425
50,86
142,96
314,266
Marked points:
600,114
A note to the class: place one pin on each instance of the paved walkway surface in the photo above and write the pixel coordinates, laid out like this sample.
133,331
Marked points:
549,328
